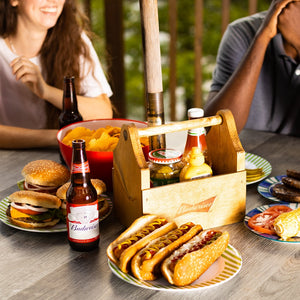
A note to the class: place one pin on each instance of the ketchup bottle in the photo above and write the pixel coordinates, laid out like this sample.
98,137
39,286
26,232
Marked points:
196,137
82,203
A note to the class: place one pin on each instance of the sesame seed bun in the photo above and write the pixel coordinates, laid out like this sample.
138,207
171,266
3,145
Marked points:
46,173
98,184
35,198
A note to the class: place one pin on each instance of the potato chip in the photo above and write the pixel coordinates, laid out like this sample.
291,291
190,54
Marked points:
101,139
76,133
97,134
112,130
100,144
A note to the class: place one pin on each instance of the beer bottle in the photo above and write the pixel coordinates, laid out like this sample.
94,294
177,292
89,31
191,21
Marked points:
196,137
82,203
70,113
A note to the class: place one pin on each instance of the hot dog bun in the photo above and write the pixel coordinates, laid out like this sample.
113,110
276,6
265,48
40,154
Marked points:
160,248
193,264
137,236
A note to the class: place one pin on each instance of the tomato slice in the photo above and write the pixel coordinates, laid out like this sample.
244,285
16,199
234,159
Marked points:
28,211
263,222
279,209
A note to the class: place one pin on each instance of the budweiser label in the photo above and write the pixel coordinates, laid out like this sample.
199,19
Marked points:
83,222
81,168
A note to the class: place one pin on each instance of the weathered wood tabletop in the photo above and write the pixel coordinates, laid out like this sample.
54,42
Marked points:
42,265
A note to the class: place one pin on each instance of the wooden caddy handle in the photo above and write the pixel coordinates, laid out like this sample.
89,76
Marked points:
180,126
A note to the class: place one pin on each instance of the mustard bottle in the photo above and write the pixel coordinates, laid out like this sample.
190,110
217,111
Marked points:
196,167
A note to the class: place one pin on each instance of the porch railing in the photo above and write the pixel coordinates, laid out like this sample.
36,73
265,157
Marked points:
114,34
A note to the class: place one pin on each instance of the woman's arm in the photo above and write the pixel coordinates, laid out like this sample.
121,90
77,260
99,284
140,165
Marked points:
89,107
20,138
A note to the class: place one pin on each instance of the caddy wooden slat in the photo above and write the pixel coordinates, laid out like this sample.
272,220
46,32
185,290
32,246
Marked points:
211,202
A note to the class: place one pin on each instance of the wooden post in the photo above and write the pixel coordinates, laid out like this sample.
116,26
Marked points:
152,67
252,7
115,50
225,14
172,57
198,52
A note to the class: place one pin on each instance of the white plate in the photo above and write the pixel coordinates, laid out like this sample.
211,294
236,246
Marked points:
60,227
255,161
222,270
262,208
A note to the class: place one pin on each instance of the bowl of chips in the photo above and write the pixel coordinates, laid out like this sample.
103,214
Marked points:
101,138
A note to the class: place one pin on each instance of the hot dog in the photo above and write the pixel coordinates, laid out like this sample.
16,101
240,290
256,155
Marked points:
145,265
138,235
193,258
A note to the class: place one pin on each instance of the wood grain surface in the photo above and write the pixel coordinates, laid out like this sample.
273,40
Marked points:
42,266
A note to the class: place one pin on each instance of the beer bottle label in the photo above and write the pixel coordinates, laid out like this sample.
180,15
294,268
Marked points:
83,222
81,168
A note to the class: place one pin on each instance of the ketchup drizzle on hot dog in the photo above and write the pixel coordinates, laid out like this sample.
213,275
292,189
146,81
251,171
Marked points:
199,243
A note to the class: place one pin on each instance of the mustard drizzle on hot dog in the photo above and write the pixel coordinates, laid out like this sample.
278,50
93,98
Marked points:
197,244
166,240
157,223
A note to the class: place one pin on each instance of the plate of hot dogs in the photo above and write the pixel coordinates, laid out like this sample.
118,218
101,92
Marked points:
155,253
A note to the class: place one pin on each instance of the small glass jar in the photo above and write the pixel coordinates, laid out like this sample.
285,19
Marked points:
165,166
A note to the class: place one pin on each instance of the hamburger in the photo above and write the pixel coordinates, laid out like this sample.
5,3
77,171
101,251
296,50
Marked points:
100,187
29,209
44,176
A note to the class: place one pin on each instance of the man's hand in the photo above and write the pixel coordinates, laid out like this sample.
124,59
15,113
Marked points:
289,25
269,27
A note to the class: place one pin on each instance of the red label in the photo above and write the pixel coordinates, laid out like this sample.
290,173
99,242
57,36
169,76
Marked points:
81,168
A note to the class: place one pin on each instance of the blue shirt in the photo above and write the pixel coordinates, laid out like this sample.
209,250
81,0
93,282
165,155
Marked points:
276,102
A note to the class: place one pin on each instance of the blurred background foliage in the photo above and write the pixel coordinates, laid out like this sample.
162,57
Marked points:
134,84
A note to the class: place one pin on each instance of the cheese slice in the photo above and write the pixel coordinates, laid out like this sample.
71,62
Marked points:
15,214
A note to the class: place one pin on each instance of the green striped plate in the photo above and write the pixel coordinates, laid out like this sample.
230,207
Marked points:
256,161
60,227
222,270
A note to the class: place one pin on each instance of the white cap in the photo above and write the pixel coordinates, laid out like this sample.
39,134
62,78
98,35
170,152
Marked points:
195,113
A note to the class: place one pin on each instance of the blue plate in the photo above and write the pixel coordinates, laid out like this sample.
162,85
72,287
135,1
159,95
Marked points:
266,186
269,236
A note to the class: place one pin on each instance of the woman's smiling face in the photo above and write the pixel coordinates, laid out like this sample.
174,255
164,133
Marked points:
41,14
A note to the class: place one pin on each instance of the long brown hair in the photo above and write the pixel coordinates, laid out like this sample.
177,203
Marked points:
63,45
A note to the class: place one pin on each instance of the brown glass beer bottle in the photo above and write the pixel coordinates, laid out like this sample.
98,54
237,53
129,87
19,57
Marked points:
82,203
70,113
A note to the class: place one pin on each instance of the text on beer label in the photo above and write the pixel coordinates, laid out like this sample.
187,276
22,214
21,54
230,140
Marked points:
81,168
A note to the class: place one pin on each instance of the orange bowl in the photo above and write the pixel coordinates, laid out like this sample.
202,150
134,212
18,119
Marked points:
101,163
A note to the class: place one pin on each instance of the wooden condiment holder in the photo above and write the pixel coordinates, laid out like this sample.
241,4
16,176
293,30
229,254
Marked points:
211,201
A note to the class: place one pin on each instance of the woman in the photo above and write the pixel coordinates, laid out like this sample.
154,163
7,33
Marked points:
40,42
